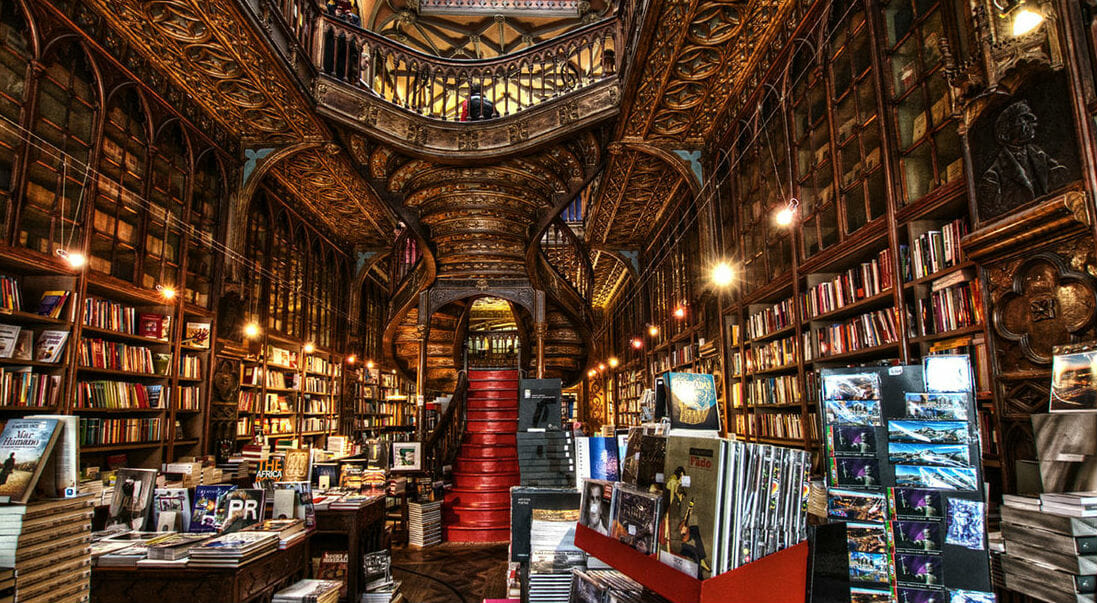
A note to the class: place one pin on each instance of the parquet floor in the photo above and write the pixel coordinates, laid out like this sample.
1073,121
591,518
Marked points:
451,573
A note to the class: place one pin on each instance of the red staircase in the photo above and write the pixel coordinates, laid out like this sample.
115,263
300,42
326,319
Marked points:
477,509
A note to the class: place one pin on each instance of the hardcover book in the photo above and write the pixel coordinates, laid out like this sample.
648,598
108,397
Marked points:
172,500
132,502
197,334
691,400
60,479
241,508
50,346
595,509
333,566
206,498
25,447
52,303
9,336
303,508
694,470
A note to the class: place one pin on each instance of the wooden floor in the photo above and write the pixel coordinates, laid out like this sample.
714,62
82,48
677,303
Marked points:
451,573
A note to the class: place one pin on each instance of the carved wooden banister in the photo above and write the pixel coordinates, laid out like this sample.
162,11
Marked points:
435,87
443,444
567,255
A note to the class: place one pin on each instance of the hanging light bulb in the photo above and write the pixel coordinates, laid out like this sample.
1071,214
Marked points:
637,343
601,367
166,292
352,359
613,362
74,258
369,364
653,330
591,373
788,213
723,274
680,312
251,330
309,348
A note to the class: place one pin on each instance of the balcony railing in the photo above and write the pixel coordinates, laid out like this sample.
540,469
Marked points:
436,87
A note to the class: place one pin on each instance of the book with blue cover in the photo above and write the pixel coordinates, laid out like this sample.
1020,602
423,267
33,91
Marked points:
204,516
691,401
603,458
25,448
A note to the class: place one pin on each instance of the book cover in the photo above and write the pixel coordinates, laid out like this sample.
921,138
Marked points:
197,334
333,566
132,501
603,458
9,336
25,447
325,475
50,345
204,516
303,508
595,505
52,303
61,478
295,468
172,500
24,346
691,401
653,450
240,508
635,517
694,470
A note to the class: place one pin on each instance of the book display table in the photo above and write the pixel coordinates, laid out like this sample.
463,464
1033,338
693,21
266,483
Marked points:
253,582
364,529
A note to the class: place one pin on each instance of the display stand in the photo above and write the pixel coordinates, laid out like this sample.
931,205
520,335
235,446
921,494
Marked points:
364,532
777,578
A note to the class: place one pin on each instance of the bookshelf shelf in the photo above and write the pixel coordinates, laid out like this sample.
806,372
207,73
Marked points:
119,410
43,409
119,335
938,275
878,351
31,318
947,334
118,447
879,300
125,374
785,368
34,363
779,333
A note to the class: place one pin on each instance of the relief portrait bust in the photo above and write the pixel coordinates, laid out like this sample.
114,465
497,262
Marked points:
1021,170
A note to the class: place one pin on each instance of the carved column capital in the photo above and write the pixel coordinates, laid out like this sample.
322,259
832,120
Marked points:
422,331
540,329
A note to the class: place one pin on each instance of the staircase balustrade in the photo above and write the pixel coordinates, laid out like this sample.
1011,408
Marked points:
436,87
444,442
498,349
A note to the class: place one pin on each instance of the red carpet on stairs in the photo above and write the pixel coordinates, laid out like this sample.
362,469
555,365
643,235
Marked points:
478,507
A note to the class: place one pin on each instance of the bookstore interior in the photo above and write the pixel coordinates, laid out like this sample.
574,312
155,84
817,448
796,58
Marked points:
548,301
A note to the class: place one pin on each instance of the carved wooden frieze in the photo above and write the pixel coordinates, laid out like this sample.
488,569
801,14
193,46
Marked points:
467,142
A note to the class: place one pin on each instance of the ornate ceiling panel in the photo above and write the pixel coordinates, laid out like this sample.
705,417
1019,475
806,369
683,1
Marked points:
636,191
610,274
327,185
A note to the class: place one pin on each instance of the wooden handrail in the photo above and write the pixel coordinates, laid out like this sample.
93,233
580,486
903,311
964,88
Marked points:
443,444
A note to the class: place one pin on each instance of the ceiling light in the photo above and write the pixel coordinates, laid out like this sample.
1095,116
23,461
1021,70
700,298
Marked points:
723,274
166,292
352,359
601,366
251,330
591,373
1025,21
680,312
369,364
787,213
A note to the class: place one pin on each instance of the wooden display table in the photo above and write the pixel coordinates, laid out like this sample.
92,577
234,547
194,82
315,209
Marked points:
364,530
255,581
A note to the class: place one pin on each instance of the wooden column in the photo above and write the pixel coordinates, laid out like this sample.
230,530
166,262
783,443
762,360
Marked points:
423,331
540,331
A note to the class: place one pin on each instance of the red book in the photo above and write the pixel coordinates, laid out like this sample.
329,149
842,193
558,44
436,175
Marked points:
150,325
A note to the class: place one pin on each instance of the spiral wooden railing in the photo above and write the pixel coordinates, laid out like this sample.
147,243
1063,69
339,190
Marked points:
436,87
443,444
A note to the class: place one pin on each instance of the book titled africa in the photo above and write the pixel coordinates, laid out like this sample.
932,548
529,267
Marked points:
692,401
25,447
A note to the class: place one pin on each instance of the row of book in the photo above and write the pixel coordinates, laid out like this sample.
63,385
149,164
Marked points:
23,387
114,316
318,364
317,385
190,367
868,330
324,406
120,395
773,318
952,307
310,424
674,358
771,355
785,426
10,298
20,343
102,354
782,389
282,357
932,251
278,426
248,401
190,397
97,432
869,279
275,403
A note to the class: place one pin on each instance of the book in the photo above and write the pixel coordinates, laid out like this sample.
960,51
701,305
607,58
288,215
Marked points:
596,458
61,479
636,515
333,566
9,336
197,334
52,303
691,401
303,507
694,469
25,447
204,514
240,508
296,465
172,500
24,346
595,505
50,345
132,501
176,546
309,591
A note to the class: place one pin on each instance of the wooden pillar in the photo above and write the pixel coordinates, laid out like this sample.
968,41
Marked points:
423,331
541,331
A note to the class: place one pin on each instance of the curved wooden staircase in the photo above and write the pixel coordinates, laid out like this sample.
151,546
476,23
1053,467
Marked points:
477,509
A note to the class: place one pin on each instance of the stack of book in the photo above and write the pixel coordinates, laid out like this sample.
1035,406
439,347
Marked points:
174,549
7,585
289,531
121,548
389,593
233,550
309,591
46,542
545,459
425,524
1051,555
550,575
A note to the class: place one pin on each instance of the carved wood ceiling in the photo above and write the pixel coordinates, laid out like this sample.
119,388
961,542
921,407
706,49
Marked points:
210,50
610,274
697,64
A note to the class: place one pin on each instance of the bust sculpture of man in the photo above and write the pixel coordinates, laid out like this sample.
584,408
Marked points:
1021,171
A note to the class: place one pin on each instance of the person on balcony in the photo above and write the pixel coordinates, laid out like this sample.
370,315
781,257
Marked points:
477,107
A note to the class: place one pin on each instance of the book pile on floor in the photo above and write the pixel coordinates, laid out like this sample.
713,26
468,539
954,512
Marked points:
232,550
424,524
377,578
309,591
46,541
1051,555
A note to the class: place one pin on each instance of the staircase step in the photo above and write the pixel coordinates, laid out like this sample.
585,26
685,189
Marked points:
493,394
493,386
476,498
492,426
473,451
492,403
493,517
477,481
490,439
463,534
481,374
493,414
485,466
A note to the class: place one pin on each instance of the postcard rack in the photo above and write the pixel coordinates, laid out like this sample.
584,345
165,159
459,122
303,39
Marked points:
783,573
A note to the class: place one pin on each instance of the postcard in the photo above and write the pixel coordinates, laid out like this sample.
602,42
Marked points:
869,595
937,432
847,440
852,412
945,455
920,595
853,471
914,503
853,505
947,373
940,478
937,407
966,523
866,537
869,567
1074,380
970,596
921,536
860,386
914,568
